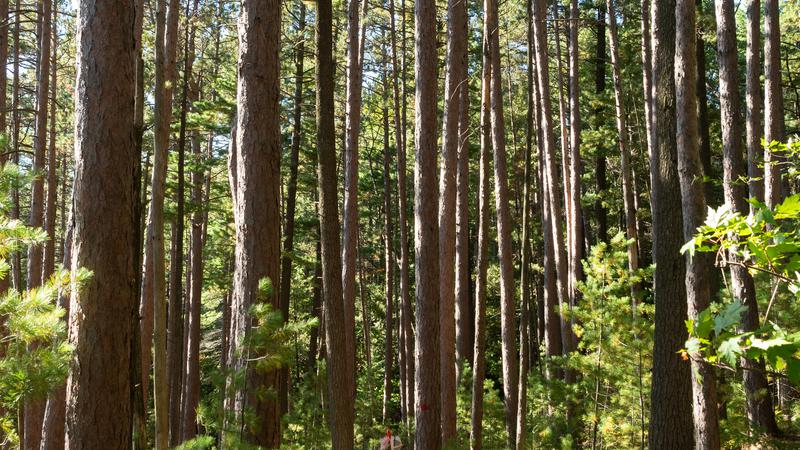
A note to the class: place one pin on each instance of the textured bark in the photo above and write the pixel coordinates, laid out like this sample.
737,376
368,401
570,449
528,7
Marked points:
464,310
759,406
258,150
340,381
670,410
101,324
774,125
426,236
479,363
291,188
505,252
34,407
456,74
622,134
600,61
698,266
755,102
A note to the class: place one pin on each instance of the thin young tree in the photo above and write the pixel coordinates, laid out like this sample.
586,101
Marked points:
774,122
426,204
456,74
34,408
154,284
670,399
755,103
576,239
622,135
388,231
257,260
505,251
698,266
291,188
759,406
340,381
101,324
484,209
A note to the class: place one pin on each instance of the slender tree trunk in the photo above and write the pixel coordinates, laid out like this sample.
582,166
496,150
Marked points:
350,215
755,103
455,81
554,250
505,251
704,133
340,381
34,408
774,126
670,410
647,75
154,282
291,190
98,398
4,76
406,332
759,405
479,363
426,237
622,132
601,60
464,310
177,311
258,143
698,267
388,231
16,269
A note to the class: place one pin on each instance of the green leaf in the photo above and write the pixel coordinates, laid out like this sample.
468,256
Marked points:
729,316
730,350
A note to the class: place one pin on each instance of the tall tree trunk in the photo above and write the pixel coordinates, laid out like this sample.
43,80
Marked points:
34,407
340,381
257,208
622,132
698,267
52,434
426,237
4,74
759,405
291,189
670,410
576,238
177,312
599,87
774,126
505,251
16,269
484,209
98,391
406,338
455,81
647,75
350,215
755,102
464,312
388,231
154,283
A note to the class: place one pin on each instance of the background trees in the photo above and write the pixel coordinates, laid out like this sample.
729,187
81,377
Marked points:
525,318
